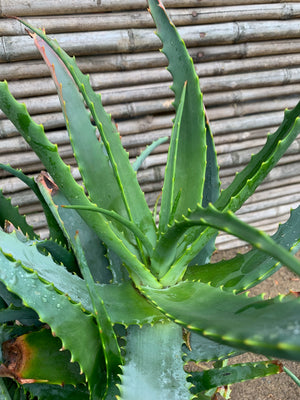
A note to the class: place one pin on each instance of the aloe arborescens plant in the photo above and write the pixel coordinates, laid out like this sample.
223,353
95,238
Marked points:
113,305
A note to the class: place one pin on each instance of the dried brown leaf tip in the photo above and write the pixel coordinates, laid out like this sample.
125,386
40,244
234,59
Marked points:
16,355
45,179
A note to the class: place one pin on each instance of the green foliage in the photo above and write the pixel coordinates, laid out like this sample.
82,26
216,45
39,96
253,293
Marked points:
129,303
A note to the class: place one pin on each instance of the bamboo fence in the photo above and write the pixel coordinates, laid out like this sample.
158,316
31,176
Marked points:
246,53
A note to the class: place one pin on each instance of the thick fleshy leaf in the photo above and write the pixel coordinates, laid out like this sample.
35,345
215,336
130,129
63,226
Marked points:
11,214
112,161
55,232
261,164
190,157
111,349
216,377
61,315
38,357
199,348
169,196
153,366
123,303
66,392
70,223
242,187
268,327
247,270
4,393
61,174
227,222
148,150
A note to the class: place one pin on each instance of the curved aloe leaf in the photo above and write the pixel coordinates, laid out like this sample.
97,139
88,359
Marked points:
42,360
149,351
141,158
123,221
261,164
229,223
122,301
242,187
60,172
247,270
269,327
61,315
111,350
128,189
3,391
11,214
217,377
55,232
199,348
191,154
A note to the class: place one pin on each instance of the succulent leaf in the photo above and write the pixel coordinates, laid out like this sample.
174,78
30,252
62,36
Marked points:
199,348
61,315
261,164
128,187
191,154
44,391
11,214
148,150
37,357
269,327
60,172
124,304
55,232
111,350
247,270
150,351
217,377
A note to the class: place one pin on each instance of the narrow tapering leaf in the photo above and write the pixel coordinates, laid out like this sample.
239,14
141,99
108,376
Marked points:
191,155
269,327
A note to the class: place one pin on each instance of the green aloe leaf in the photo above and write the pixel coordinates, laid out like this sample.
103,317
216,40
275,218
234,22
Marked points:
70,222
112,215
200,348
122,301
210,195
42,360
61,174
55,232
229,223
261,164
24,315
217,377
247,270
128,189
11,214
149,149
66,392
4,393
111,349
169,195
240,190
61,315
268,327
149,350
191,155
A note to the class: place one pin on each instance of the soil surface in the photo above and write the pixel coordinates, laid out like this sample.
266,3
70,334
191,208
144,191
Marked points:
274,387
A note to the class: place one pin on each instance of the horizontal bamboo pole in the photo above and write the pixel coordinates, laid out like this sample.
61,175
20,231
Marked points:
232,57
15,48
42,7
209,84
143,19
